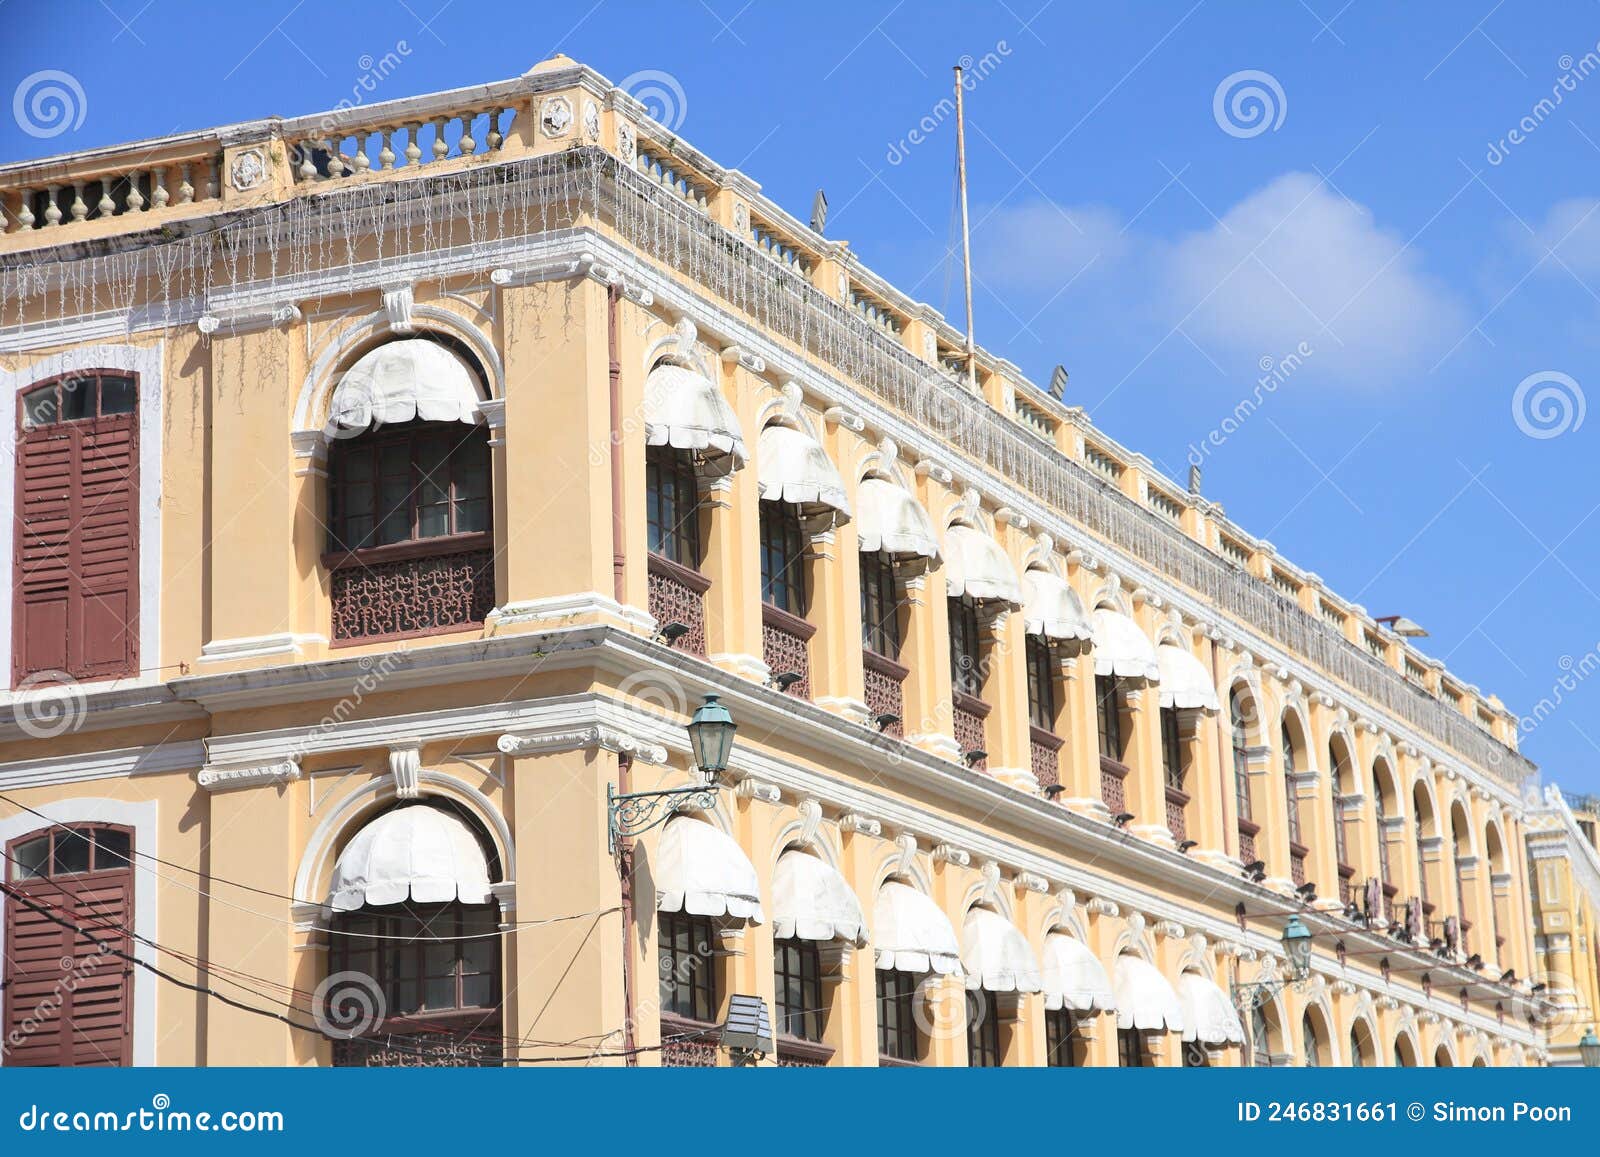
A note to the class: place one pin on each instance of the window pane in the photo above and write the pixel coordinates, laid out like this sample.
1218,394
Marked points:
441,993
433,521
439,959
42,407
477,991
472,517
111,849
78,398
31,860
117,396
72,853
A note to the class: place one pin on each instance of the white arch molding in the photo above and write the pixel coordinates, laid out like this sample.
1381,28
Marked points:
144,819
316,862
149,364
316,391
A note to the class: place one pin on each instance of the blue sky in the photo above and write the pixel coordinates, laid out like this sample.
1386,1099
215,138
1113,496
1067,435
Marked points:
1131,223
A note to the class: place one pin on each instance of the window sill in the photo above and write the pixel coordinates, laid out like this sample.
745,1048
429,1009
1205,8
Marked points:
1111,767
811,1053
884,665
787,622
971,704
689,577
411,549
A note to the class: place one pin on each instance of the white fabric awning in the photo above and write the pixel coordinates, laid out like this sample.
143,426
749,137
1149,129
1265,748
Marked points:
704,873
911,934
1145,1000
1122,649
1051,608
1073,977
1184,681
685,410
1208,1015
975,565
418,853
401,381
791,466
893,521
811,901
995,955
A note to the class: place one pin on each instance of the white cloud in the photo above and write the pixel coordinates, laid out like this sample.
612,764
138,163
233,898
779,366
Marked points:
1571,232
1040,245
1296,262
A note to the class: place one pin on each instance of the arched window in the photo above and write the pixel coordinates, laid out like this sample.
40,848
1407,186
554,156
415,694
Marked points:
1291,796
410,514
1405,1057
68,993
1309,1042
1384,804
1360,1057
1240,712
672,516
425,972
1339,771
1423,822
75,589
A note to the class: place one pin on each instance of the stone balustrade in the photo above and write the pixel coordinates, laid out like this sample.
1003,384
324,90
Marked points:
135,186
398,143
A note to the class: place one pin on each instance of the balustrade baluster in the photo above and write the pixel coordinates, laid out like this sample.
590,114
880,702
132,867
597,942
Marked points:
386,151
158,188
185,186
25,216
441,147
80,211
413,147
108,204
135,200
52,211
467,145
495,138
308,163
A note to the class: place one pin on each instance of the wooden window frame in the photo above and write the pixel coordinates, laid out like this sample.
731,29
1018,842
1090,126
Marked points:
1041,665
474,439
672,506
797,964
899,1040
880,606
984,1049
783,558
1130,1049
966,646
77,593
1173,750
1061,1040
1108,698
385,955
688,968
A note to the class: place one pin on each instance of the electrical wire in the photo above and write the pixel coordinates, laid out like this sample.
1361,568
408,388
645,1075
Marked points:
135,853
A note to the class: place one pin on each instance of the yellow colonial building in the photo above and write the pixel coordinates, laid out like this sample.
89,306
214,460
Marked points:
390,488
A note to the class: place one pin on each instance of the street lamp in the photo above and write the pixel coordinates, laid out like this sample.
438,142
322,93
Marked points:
711,739
1297,945
1589,1049
711,736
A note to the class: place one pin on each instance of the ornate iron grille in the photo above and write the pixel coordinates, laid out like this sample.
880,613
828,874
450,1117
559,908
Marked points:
1297,867
785,649
675,599
1177,821
476,1048
968,726
884,693
1247,846
1044,750
413,596
1112,792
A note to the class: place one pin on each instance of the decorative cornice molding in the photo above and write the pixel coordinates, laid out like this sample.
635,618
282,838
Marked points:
581,739
233,778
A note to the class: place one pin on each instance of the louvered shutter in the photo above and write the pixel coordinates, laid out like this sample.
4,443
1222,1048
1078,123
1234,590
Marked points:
66,1001
77,549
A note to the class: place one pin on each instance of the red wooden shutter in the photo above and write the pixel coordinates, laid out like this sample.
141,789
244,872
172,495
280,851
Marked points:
66,1001
76,604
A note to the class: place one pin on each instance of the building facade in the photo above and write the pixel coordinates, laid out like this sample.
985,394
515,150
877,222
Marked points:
391,486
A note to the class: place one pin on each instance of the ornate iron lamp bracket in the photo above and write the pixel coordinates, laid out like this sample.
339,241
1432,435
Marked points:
634,813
